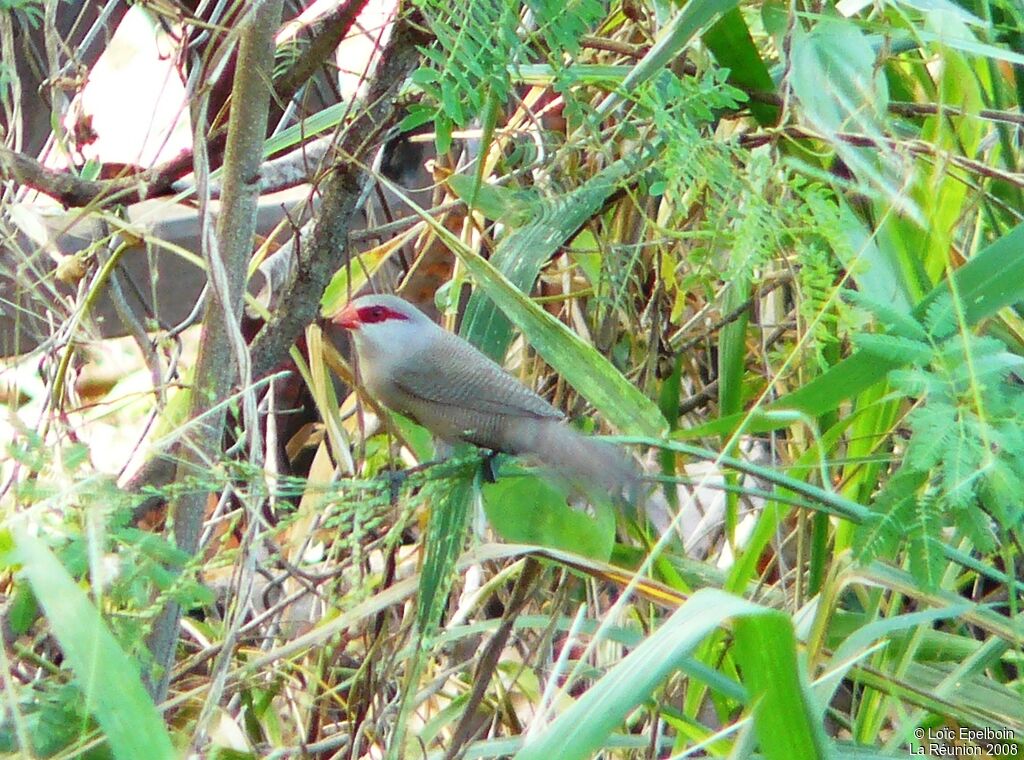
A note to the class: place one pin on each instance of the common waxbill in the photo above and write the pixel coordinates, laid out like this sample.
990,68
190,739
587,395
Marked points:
416,368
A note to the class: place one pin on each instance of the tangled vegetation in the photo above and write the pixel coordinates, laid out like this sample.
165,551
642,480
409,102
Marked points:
774,249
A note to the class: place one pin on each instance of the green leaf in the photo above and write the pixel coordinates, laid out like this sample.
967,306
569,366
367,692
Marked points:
671,43
934,427
730,42
442,133
513,207
858,642
942,6
836,51
321,121
581,731
425,75
531,510
895,320
786,725
108,678
927,562
879,536
964,44
24,609
893,347
993,279
977,526
962,471
446,533
91,170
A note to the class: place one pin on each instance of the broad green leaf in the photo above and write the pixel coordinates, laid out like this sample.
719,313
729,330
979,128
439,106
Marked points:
671,43
993,279
22,610
109,679
730,42
531,510
786,722
837,52
513,207
874,266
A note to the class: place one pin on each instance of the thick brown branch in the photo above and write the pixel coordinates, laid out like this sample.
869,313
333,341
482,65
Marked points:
328,249
72,190
325,36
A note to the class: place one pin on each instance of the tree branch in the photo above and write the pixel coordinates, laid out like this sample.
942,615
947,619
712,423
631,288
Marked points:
328,250
73,191
324,37
220,362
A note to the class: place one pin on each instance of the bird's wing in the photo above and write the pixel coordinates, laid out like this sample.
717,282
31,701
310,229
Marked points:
471,381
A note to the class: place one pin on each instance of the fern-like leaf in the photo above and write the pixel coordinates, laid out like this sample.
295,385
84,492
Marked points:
940,317
898,323
978,526
895,348
927,561
894,508
962,471
934,426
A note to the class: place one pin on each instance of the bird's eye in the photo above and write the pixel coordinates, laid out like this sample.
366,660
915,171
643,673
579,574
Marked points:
378,313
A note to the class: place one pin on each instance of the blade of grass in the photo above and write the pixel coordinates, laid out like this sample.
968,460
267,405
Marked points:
126,714
786,725
523,252
583,728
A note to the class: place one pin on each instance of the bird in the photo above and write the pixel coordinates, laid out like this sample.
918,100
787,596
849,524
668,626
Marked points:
414,367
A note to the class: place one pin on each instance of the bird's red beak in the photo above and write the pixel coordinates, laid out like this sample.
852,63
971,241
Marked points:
348,318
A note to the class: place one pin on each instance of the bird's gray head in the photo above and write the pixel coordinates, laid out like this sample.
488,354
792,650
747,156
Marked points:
386,324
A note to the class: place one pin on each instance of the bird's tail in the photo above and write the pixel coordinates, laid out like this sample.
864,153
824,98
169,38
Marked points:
588,463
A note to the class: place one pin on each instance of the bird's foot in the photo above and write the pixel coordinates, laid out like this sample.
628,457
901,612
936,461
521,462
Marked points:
398,477
487,466
395,480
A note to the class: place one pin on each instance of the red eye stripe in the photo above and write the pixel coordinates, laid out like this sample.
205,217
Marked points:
368,315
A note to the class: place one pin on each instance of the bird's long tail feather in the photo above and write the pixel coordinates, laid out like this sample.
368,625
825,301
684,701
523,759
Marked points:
587,462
